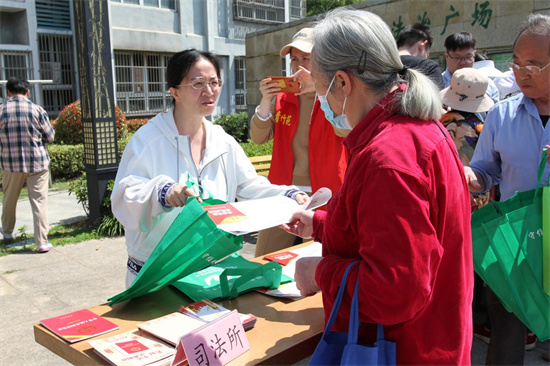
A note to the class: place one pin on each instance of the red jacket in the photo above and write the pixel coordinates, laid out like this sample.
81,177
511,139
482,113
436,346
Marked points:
404,212
327,157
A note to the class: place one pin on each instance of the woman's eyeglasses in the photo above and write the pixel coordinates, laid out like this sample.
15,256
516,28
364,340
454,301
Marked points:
531,70
201,84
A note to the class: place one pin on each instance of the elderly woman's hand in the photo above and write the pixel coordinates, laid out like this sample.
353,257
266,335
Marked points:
178,195
303,76
301,224
304,275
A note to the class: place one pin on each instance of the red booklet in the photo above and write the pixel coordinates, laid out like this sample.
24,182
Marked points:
224,213
78,325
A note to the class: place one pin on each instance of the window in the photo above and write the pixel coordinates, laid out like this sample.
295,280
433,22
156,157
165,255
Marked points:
140,82
162,4
53,14
57,64
240,84
264,11
16,64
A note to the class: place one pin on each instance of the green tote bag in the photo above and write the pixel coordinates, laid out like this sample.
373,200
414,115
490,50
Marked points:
546,239
508,255
230,278
192,242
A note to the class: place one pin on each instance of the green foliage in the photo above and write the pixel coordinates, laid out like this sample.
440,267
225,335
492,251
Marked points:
251,149
79,188
234,124
110,226
68,125
315,7
66,161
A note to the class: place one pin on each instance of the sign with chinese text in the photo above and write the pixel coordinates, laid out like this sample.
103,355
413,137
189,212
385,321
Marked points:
215,343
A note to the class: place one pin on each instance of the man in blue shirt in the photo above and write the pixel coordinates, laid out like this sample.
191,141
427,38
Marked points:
460,53
508,153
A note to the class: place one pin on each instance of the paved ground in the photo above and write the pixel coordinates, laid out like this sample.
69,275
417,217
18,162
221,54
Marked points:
36,286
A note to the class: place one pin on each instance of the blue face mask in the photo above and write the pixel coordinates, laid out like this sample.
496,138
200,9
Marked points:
339,121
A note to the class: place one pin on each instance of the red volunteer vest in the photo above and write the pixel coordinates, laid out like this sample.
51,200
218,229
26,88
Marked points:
327,155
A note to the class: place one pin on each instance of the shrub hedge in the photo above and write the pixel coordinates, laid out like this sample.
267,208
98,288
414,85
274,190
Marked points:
234,124
68,125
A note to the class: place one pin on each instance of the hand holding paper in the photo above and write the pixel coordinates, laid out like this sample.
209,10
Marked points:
240,218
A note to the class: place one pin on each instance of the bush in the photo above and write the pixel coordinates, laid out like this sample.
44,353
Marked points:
234,124
251,149
68,125
79,188
134,124
66,161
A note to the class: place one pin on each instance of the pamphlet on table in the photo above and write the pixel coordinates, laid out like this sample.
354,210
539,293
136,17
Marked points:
171,327
207,310
240,218
133,349
78,325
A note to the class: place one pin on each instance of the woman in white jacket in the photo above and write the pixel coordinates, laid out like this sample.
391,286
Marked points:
178,146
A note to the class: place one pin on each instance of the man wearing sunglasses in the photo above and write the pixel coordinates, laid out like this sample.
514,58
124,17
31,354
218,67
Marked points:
508,153
460,53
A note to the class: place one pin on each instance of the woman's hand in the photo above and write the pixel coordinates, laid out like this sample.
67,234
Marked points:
547,154
301,224
303,76
178,195
304,275
301,198
269,89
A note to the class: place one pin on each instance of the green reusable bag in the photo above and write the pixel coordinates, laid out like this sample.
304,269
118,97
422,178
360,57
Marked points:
231,277
192,242
546,239
508,255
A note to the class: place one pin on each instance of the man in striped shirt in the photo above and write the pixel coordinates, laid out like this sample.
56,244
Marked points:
24,131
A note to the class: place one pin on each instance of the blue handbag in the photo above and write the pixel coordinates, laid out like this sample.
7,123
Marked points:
340,348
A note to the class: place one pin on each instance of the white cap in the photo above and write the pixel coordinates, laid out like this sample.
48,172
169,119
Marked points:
301,40
487,67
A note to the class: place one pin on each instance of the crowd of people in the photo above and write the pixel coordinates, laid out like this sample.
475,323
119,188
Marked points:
407,150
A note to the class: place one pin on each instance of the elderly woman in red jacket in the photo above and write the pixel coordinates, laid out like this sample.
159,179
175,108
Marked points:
403,210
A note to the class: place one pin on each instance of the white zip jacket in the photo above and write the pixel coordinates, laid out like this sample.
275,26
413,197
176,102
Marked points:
156,155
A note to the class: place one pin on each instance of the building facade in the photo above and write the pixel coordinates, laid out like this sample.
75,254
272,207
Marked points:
37,43
494,23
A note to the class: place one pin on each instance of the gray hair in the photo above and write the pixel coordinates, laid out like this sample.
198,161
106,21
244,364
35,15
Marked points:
360,43
537,24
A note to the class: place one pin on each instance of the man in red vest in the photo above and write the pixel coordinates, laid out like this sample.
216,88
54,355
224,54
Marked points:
307,149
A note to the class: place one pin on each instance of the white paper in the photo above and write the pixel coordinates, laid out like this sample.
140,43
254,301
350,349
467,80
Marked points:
289,290
270,212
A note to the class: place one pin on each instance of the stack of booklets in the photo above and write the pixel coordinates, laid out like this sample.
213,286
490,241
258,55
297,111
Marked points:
133,348
170,328
78,325
208,311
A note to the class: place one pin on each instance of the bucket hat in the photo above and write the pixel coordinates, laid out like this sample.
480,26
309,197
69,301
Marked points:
467,92
301,40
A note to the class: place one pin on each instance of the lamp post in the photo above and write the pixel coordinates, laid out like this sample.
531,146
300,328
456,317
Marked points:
96,99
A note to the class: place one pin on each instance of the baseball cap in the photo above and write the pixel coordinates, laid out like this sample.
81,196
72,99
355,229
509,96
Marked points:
301,40
467,91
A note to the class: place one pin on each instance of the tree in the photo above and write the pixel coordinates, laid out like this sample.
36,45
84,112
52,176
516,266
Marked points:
315,7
